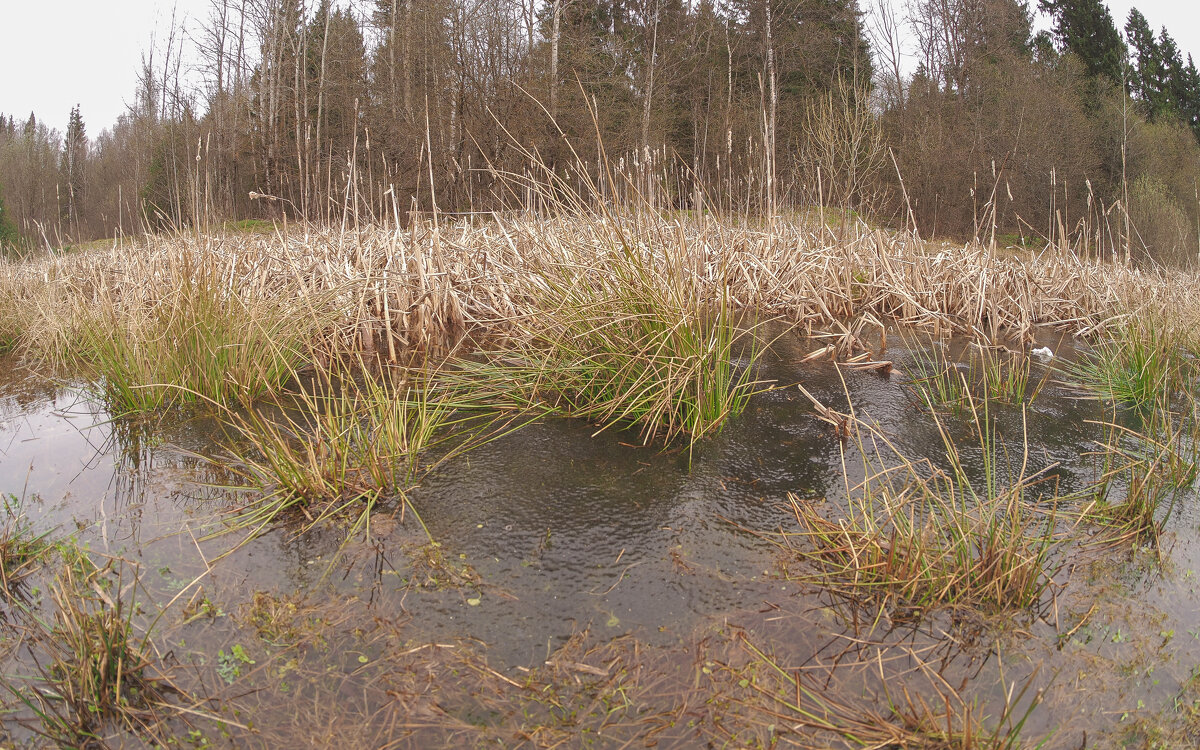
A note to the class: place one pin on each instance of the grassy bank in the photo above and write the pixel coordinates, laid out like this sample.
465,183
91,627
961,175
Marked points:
425,287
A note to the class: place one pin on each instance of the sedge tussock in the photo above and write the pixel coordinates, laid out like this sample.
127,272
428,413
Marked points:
195,345
176,327
626,333
915,537
356,438
1137,362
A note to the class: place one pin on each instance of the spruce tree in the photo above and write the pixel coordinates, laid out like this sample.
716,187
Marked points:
1174,83
1085,28
1145,75
73,156
1191,102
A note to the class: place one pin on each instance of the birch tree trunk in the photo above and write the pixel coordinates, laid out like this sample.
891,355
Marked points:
554,39
649,97
408,30
772,104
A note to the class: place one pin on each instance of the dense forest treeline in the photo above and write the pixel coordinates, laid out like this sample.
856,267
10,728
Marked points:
1085,133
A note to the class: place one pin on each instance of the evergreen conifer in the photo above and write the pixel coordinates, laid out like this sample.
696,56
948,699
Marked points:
1085,28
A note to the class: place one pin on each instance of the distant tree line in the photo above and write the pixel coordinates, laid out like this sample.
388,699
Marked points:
366,111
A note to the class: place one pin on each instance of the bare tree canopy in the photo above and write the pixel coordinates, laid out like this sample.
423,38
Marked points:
367,111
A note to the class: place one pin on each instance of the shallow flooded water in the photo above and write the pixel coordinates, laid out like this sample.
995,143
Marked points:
583,589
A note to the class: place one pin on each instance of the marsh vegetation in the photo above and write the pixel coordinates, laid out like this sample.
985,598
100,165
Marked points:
563,374
564,458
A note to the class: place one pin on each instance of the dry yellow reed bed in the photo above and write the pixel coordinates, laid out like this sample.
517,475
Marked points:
427,286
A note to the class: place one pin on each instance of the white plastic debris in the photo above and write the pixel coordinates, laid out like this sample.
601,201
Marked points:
1043,352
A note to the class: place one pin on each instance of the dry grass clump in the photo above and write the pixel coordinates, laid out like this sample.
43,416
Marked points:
623,317
169,323
424,287
812,276
22,292
10,328
915,537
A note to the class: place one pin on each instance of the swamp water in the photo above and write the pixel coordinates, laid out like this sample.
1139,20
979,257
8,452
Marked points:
583,590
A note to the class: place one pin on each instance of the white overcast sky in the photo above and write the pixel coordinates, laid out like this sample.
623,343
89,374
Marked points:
56,53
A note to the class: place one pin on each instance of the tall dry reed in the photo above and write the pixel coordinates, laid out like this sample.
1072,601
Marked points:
427,285
425,288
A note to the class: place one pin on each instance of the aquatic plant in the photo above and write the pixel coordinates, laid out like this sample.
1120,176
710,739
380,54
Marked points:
994,374
936,378
1136,363
96,670
802,700
1144,467
355,437
914,536
230,665
20,547
1005,376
